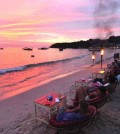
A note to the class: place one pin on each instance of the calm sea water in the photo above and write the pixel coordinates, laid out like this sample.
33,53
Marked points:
20,72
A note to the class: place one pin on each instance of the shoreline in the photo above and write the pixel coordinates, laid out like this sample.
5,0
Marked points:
20,89
19,106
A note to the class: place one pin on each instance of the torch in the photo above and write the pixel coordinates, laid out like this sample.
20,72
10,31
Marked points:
93,58
101,53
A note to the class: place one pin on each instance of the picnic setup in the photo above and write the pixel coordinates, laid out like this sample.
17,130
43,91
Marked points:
81,110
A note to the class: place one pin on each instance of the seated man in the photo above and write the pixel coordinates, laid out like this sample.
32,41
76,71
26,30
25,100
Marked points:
74,114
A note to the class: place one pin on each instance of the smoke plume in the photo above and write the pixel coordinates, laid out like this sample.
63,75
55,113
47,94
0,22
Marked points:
105,16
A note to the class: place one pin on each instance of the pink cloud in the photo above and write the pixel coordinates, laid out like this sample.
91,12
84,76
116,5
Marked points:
46,20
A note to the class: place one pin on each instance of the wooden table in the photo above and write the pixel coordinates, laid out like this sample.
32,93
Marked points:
51,106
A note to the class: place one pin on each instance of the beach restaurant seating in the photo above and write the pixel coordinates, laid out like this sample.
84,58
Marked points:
79,124
99,100
96,101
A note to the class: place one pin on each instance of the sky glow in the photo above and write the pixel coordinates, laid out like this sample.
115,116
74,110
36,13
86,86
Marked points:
47,21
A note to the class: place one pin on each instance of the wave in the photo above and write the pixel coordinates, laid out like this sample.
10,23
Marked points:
21,68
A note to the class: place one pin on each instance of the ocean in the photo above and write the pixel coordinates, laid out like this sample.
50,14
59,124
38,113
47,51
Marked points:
19,72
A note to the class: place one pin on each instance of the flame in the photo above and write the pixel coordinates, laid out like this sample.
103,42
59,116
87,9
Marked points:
93,57
102,52
102,71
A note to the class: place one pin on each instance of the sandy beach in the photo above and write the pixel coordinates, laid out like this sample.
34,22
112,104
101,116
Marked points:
51,54
17,114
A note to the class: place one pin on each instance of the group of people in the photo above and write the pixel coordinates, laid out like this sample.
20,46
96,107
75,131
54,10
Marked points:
114,72
83,94
80,108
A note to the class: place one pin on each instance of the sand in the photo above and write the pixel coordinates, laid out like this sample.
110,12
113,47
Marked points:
17,114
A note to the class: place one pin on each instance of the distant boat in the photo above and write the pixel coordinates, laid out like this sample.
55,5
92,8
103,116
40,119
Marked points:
94,49
32,56
1,48
60,49
27,48
43,48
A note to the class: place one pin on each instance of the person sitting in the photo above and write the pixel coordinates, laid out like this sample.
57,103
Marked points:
80,113
117,63
100,80
110,76
98,92
94,85
80,94
118,78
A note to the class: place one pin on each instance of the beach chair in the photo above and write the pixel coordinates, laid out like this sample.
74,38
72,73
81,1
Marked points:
99,100
69,126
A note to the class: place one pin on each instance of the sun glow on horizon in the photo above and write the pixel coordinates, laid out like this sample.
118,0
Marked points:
62,22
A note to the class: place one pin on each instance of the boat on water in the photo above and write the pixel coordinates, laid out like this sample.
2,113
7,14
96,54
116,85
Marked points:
32,55
27,48
43,48
94,49
1,48
60,49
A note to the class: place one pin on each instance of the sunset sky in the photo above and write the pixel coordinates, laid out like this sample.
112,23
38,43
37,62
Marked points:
35,22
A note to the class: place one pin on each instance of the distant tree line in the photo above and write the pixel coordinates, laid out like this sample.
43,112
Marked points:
112,41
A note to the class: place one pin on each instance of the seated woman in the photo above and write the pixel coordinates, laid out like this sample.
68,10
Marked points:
94,85
80,94
80,113
100,80
98,92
